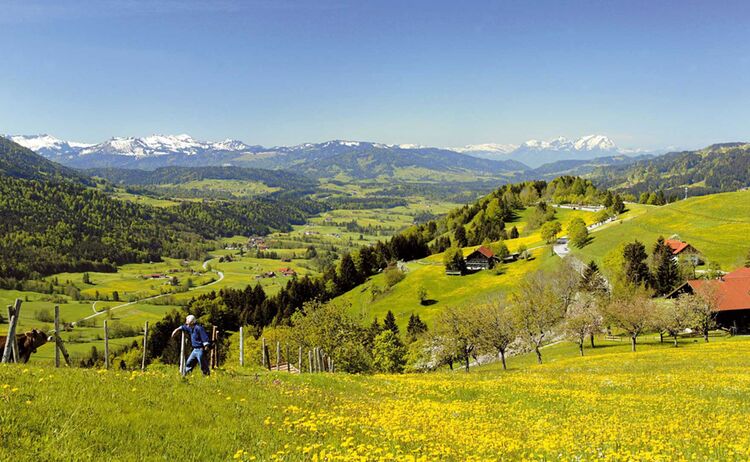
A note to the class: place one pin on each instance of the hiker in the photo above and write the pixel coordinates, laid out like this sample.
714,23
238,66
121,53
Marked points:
200,343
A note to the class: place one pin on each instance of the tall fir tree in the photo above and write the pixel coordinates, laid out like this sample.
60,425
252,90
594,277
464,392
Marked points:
636,269
666,272
415,327
459,236
592,280
389,323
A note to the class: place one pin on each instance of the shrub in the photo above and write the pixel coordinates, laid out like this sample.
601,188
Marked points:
44,315
393,276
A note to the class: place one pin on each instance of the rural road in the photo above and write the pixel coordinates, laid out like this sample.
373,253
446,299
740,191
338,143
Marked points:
154,297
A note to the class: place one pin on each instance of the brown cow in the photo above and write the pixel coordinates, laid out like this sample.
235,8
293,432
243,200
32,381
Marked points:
27,343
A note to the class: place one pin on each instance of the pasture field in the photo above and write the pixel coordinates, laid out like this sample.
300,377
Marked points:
659,404
718,225
235,188
375,299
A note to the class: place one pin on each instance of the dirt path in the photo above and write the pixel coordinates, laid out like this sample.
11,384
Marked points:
153,297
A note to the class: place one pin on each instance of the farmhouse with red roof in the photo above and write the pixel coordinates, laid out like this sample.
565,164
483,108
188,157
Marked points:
481,259
733,297
682,249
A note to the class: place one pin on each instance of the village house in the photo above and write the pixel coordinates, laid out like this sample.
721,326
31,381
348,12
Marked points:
733,298
287,272
685,251
481,259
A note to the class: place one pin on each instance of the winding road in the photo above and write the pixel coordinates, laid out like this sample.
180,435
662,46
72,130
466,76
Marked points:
153,297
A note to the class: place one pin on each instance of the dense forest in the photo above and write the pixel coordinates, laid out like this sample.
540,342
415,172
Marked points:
718,168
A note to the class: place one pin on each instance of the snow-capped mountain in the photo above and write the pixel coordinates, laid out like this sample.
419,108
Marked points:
161,145
145,152
491,149
48,146
538,152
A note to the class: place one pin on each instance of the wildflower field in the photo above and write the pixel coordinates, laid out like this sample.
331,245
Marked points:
659,404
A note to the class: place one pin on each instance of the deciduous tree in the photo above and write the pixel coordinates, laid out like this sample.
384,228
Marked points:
496,328
632,311
536,310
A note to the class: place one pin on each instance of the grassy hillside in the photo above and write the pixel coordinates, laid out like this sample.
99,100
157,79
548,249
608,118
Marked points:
444,291
661,403
718,225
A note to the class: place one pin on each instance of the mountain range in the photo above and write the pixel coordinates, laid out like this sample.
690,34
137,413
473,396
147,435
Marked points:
535,153
340,158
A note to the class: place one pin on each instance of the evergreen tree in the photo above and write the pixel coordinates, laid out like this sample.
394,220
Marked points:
514,233
666,273
636,269
454,260
592,280
415,327
459,237
389,323
348,276
373,331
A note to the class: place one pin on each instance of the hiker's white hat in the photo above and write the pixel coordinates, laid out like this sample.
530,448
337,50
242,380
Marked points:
190,319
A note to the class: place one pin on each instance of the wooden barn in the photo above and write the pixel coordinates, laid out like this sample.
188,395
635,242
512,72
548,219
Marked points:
481,259
733,291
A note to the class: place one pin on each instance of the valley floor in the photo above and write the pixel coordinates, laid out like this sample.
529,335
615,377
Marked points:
659,404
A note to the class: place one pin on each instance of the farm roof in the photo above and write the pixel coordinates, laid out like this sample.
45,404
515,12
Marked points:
734,290
676,246
485,251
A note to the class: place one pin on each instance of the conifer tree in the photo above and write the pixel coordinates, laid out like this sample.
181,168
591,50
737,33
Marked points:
389,323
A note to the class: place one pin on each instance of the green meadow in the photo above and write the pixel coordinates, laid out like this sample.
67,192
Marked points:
659,404
718,225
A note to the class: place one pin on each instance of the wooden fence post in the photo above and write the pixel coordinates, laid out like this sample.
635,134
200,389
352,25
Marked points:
182,353
309,361
263,347
278,355
57,334
242,347
11,314
214,351
11,347
299,361
145,339
288,360
106,345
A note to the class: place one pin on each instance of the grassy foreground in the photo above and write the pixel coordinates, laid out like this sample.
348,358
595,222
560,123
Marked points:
660,404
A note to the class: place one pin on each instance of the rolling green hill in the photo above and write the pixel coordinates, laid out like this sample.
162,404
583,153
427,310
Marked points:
718,225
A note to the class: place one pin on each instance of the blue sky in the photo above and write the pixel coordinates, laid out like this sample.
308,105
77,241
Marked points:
648,74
